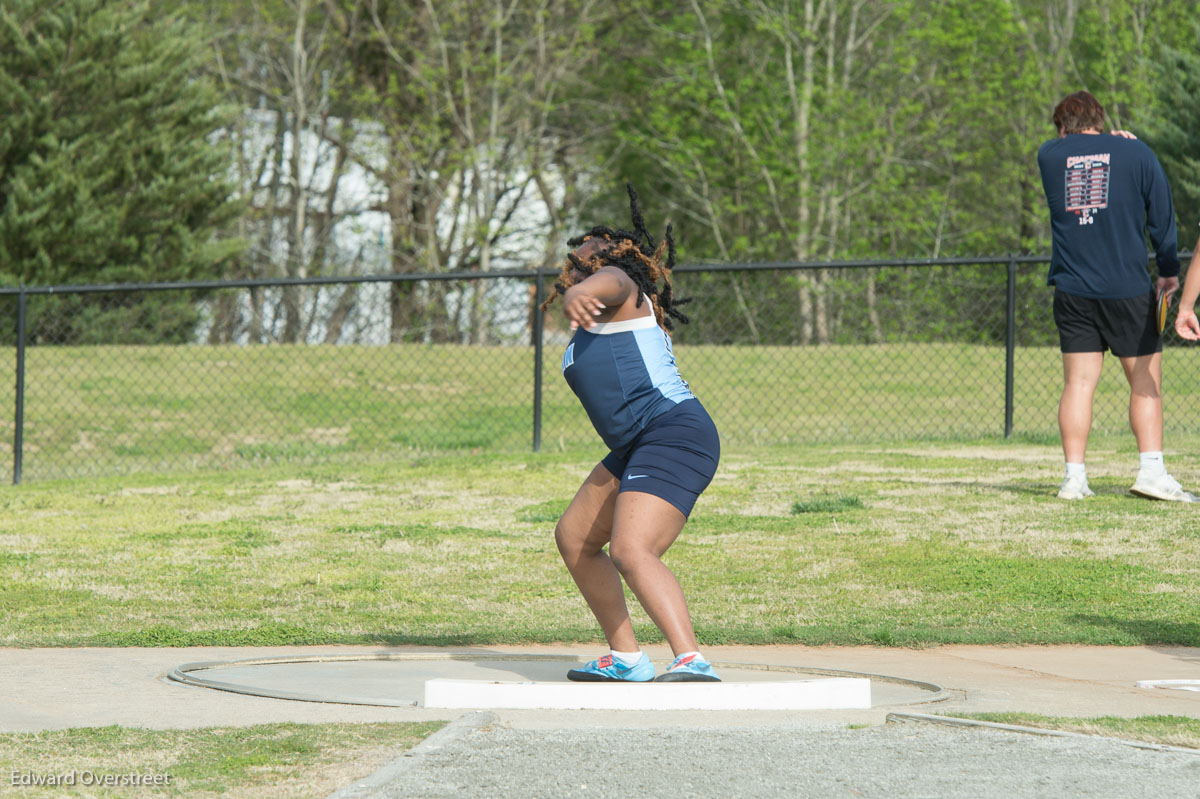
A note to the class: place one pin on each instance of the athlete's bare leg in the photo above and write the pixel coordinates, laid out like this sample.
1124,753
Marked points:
644,526
1081,374
1144,374
581,535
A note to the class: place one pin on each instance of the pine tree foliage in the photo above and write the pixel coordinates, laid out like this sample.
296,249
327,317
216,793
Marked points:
110,167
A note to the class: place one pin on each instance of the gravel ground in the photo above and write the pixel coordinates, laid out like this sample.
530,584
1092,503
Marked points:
895,760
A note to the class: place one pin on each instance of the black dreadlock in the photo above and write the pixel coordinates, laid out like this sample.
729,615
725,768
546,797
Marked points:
637,255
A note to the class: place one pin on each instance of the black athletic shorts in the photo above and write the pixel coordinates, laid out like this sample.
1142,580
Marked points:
674,458
1127,327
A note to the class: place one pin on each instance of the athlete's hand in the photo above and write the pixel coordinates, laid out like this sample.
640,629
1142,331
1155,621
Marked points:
1124,134
581,308
1167,285
1187,325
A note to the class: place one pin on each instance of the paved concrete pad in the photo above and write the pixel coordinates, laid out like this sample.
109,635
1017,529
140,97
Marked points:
826,753
486,759
59,688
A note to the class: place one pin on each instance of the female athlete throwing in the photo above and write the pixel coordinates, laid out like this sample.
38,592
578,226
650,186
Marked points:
664,447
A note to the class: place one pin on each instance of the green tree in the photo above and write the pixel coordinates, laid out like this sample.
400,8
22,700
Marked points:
469,95
791,130
110,168
783,132
1172,130
289,159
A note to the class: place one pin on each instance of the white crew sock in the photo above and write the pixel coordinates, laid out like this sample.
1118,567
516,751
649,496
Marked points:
1076,470
1152,464
626,658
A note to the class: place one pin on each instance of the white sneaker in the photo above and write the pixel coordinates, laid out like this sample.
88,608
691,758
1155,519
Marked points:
1164,487
1075,488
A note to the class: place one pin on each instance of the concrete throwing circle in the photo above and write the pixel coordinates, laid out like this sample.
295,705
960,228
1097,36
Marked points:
398,679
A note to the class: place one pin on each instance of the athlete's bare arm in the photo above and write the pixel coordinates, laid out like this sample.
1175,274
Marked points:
601,297
1186,324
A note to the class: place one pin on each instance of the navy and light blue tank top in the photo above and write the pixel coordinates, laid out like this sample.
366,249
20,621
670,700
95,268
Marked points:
624,374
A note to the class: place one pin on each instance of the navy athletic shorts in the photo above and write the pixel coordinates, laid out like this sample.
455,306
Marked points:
1127,327
674,458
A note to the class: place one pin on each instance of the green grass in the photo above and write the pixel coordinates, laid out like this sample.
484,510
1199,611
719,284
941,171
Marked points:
920,544
827,504
1167,730
259,761
92,411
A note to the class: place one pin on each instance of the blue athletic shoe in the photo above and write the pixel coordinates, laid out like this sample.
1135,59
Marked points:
689,668
609,669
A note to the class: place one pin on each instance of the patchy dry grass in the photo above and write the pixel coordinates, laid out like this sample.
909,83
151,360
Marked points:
272,760
924,544
1165,730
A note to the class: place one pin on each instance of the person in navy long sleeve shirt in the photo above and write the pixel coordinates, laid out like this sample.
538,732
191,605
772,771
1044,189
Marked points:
1105,193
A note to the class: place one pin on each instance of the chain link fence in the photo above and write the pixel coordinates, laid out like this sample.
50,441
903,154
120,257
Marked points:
119,379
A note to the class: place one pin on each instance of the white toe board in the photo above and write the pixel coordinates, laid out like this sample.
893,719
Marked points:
831,693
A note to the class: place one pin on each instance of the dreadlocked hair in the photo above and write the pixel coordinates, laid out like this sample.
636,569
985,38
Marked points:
636,254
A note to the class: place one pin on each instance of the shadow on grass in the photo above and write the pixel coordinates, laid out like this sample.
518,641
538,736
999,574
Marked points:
1149,632
1022,489
1044,489
1104,488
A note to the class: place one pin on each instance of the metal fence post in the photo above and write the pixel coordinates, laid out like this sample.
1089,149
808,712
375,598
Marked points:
1010,344
19,422
539,318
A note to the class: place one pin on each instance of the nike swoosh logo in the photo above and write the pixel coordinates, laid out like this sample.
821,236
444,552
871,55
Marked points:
635,476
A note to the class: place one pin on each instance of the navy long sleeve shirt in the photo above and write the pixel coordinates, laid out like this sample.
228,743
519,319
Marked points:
1105,194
